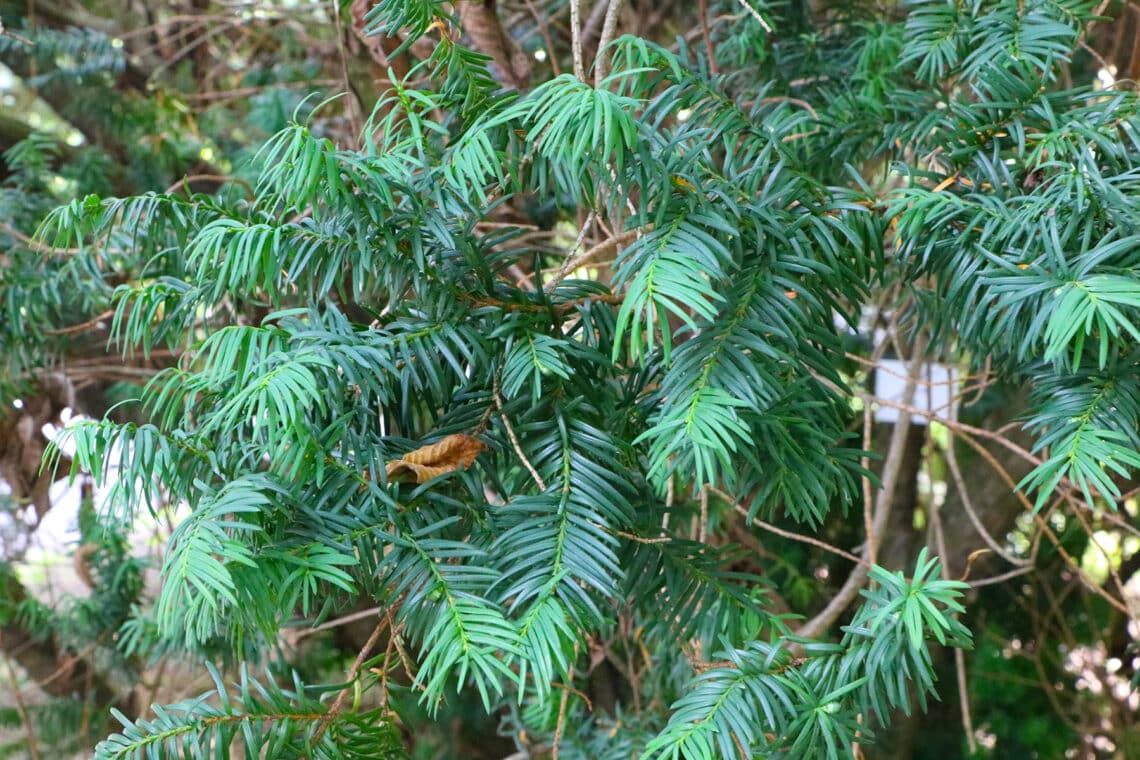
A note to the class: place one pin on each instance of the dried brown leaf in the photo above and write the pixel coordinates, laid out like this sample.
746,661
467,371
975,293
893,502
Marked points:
431,461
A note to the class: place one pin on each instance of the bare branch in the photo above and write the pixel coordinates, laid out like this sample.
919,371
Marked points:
740,510
891,467
576,50
514,438
572,264
609,28
755,14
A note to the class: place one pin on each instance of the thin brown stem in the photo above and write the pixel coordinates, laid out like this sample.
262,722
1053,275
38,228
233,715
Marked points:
960,427
338,704
892,467
354,107
865,463
959,658
579,69
245,92
756,15
1112,573
609,29
1073,564
579,241
211,178
544,29
81,326
968,507
405,659
514,438
587,256
706,35
790,535
33,244
642,539
345,620
560,726
576,692
1002,577
22,711
703,528
387,667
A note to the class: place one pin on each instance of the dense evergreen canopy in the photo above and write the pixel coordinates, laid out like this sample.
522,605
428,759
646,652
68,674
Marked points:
545,343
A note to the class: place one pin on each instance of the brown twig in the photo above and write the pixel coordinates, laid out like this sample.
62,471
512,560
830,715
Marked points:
157,682
706,35
81,326
1112,573
643,539
796,102
586,257
572,690
756,15
741,510
892,467
514,439
22,711
560,726
960,427
173,33
1002,577
578,243
355,110
959,657
967,504
544,29
169,60
67,664
609,28
244,92
345,620
384,673
12,35
703,528
338,704
223,178
395,633
1074,565
33,244
865,463
970,562
580,74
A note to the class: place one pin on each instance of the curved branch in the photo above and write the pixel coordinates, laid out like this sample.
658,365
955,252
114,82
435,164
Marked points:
883,501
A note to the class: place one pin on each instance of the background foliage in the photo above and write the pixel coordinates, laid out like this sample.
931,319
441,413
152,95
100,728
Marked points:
508,379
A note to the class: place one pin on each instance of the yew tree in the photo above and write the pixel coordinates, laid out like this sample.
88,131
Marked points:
550,363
